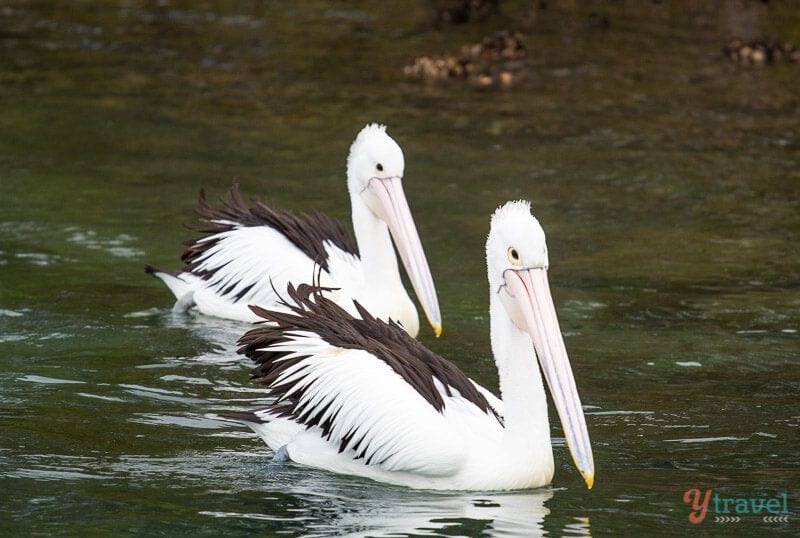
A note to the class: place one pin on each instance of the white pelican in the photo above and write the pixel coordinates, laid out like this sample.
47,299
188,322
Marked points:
248,253
361,397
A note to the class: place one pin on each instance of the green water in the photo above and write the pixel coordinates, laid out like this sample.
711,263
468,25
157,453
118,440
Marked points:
666,177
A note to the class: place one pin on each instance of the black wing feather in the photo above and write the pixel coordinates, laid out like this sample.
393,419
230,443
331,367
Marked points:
307,231
310,310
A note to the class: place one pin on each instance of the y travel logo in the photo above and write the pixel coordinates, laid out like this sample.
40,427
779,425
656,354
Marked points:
733,509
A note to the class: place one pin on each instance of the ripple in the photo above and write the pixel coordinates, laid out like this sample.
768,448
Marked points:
234,434
116,246
189,380
261,517
39,258
583,309
579,527
58,467
620,412
236,388
98,397
150,389
50,474
160,394
49,380
704,440
150,312
173,420
12,338
765,434
56,336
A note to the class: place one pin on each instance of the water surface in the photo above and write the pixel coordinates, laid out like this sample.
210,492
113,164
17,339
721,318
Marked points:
666,177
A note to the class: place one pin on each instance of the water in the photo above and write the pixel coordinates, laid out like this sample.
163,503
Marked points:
665,176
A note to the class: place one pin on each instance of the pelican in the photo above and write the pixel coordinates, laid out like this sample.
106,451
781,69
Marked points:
248,253
361,397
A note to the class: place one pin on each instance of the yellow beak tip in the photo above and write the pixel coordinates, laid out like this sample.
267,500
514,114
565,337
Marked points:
589,480
437,330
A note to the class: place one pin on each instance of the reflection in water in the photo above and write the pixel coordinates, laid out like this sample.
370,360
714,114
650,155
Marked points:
222,334
315,502
359,509
580,527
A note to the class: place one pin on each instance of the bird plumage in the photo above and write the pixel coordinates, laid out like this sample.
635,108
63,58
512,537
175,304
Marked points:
247,252
357,395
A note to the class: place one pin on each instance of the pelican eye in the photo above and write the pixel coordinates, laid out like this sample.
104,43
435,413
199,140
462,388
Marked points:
513,256
379,167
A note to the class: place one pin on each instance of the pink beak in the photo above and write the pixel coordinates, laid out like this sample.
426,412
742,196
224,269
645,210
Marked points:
393,209
531,295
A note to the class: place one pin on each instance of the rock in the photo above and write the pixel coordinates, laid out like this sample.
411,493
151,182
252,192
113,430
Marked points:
488,63
761,52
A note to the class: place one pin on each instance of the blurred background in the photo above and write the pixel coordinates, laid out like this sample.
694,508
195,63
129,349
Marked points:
658,144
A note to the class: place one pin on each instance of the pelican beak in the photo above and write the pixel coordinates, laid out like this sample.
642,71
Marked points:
532,311
393,209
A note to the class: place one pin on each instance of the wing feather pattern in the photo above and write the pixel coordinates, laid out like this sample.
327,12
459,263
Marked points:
245,247
372,391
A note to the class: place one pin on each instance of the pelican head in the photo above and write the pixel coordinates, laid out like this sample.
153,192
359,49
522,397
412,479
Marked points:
375,177
516,255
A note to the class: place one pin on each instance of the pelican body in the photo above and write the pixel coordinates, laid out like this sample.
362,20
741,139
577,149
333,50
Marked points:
250,252
357,395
